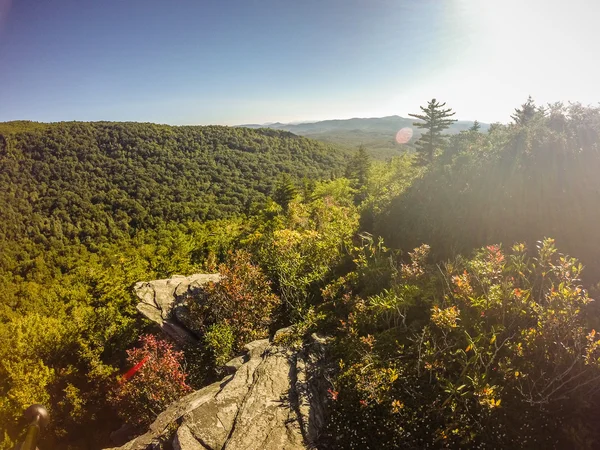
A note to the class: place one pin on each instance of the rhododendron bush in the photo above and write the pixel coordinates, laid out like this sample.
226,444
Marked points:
503,359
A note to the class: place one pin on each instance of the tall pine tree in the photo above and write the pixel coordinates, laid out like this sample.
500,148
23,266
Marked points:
357,171
527,112
285,191
358,167
435,120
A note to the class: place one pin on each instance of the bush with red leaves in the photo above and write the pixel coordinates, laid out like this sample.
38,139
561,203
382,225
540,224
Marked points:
159,380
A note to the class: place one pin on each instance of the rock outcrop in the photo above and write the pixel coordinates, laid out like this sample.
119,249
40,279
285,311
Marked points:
163,302
273,399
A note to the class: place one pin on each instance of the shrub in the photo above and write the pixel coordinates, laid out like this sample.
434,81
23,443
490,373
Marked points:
242,300
300,253
159,380
503,361
220,338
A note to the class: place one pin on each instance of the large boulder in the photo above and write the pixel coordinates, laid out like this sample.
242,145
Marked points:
274,400
163,302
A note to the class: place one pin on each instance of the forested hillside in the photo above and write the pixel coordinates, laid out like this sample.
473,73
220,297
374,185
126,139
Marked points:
88,209
453,318
91,181
518,182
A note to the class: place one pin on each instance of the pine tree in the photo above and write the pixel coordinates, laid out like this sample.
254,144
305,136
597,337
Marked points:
358,167
357,171
526,113
435,120
308,187
363,166
475,127
285,191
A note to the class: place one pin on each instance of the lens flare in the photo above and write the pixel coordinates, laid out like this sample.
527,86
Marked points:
404,135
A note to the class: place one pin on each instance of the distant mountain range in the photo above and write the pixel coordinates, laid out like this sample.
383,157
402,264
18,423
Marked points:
377,134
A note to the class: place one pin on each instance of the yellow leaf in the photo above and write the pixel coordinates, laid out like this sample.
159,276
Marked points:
493,339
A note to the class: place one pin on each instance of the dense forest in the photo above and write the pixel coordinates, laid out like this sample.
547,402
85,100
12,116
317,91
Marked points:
454,318
87,209
92,181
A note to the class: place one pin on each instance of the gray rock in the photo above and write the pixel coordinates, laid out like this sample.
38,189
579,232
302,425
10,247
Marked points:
274,400
185,440
164,302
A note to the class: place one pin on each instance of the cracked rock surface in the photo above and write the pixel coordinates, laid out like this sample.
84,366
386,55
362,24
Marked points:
163,302
273,401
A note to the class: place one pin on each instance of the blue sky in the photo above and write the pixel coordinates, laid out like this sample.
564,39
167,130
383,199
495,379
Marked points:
231,61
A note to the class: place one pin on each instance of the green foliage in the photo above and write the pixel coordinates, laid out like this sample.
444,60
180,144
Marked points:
25,377
220,339
527,112
285,191
358,170
435,119
88,182
493,351
294,336
72,314
88,209
503,359
386,182
57,361
340,190
299,250
375,264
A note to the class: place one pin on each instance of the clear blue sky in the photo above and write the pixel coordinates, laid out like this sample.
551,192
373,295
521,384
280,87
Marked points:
241,61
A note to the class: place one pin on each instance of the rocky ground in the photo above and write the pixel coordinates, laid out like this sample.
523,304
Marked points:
273,399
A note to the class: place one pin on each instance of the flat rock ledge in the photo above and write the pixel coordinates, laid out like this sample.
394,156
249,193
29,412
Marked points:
274,400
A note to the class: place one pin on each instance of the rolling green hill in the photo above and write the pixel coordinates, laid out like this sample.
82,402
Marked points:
87,210
89,181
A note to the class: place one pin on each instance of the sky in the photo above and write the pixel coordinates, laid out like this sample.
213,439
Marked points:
255,61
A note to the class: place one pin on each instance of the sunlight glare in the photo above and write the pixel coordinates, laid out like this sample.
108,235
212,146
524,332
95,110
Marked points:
404,135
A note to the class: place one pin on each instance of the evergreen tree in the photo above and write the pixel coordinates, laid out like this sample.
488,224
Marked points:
358,167
526,113
475,127
308,187
357,171
362,162
285,191
435,120
494,127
